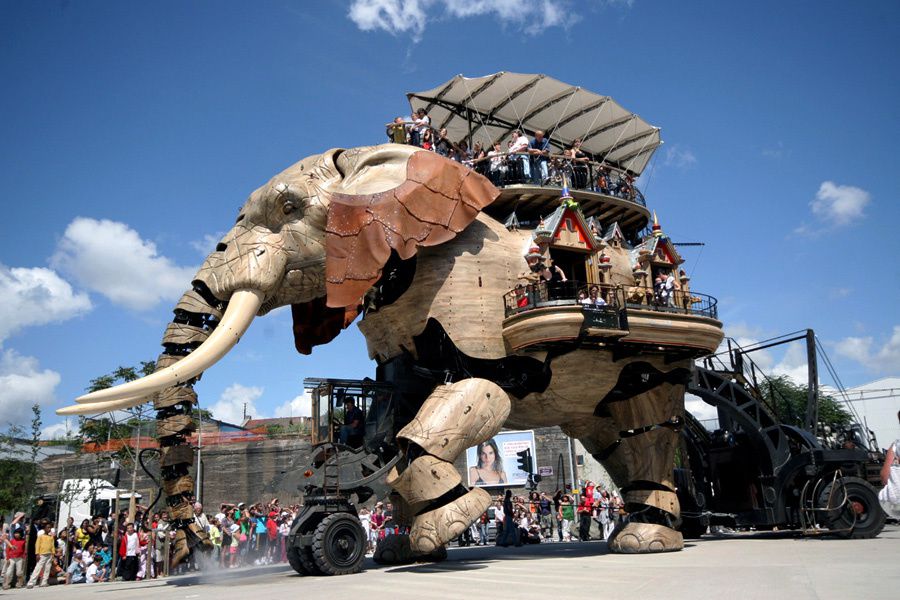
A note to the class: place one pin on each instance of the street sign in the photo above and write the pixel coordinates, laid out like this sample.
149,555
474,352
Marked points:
545,471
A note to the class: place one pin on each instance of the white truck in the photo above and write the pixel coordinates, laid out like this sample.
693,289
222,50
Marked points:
86,498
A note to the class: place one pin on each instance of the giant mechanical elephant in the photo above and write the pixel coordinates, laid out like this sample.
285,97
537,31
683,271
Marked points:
398,234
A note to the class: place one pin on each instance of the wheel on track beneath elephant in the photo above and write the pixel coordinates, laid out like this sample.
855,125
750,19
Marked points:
339,545
856,512
293,555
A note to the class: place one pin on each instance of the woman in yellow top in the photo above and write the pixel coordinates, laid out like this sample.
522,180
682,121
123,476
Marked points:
83,534
490,466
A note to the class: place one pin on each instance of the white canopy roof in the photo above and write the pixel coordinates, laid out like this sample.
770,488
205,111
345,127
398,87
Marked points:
494,105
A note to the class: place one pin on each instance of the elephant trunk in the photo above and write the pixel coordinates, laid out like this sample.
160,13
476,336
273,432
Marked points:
197,316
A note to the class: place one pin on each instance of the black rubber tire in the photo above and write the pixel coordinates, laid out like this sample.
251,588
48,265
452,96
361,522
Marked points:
293,556
339,545
308,562
862,511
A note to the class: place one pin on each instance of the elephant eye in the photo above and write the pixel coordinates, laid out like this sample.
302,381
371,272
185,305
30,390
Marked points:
288,207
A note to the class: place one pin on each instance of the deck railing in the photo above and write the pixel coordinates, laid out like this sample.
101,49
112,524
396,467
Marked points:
690,302
521,168
543,294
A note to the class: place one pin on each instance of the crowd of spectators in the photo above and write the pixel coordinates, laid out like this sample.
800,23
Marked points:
139,547
540,517
521,160
240,535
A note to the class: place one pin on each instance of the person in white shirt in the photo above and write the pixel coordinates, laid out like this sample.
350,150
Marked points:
91,574
422,123
200,518
670,289
522,161
497,164
130,562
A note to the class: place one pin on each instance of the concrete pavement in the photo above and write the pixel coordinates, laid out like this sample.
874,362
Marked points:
765,566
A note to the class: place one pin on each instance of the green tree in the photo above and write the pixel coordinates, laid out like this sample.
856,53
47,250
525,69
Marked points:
790,400
121,375
18,465
102,430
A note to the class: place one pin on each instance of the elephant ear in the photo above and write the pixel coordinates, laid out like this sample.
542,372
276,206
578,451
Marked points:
393,197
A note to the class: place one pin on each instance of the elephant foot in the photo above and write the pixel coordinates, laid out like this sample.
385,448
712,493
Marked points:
433,529
644,538
397,550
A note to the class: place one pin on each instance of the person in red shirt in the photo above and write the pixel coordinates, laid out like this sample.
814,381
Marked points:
271,534
129,552
15,559
585,509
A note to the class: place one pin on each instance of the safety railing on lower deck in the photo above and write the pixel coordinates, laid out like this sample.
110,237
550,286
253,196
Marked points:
607,298
676,301
603,303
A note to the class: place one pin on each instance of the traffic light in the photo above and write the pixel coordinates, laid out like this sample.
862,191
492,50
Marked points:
526,464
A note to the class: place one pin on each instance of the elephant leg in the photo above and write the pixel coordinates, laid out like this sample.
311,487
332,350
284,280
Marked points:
636,443
452,419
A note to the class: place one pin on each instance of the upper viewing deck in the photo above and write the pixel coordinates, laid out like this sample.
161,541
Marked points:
602,191
532,135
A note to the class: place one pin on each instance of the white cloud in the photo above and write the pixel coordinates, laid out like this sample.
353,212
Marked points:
300,406
35,297
863,350
412,16
111,258
699,409
22,384
208,243
680,157
791,364
230,407
839,204
836,206
59,430
392,16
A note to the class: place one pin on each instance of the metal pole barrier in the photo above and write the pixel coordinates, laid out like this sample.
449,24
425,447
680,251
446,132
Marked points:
115,548
151,553
166,549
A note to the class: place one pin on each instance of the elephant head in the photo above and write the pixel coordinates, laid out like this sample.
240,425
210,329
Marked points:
315,237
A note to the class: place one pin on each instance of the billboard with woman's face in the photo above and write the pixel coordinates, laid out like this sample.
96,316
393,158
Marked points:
495,462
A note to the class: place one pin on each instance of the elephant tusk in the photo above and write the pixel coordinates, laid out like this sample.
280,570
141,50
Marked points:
242,308
93,408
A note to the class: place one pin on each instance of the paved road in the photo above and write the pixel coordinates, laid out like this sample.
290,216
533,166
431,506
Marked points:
755,566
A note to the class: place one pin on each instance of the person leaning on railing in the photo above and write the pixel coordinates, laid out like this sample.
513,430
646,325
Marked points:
579,163
539,150
521,165
396,131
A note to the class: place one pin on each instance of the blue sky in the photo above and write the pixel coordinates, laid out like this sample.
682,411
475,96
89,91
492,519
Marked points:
132,133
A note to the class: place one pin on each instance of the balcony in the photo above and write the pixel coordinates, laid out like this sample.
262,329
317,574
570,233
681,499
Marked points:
602,191
539,314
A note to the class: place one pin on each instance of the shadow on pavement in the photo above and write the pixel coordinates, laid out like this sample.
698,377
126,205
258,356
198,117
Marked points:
478,557
227,576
